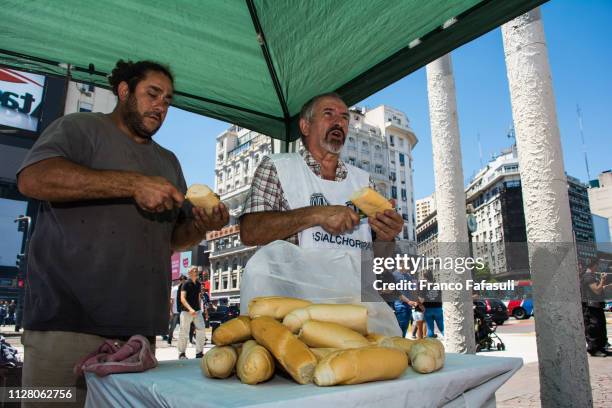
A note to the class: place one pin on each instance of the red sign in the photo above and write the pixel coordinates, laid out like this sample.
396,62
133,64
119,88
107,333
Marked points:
176,265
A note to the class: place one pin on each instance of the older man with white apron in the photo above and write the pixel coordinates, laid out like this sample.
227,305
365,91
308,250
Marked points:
305,199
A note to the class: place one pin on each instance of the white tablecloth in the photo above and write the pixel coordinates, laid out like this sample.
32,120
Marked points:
464,381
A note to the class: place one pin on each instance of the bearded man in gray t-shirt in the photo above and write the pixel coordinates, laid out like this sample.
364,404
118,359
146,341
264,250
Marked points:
112,212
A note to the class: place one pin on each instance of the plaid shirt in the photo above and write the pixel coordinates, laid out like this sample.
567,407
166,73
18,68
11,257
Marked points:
267,194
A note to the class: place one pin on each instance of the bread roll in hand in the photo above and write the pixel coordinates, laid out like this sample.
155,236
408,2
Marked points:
354,317
203,197
219,362
255,363
356,366
427,355
276,307
293,355
326,334
370,202
233,331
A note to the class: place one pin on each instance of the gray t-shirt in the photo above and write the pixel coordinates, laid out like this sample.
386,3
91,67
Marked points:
101,266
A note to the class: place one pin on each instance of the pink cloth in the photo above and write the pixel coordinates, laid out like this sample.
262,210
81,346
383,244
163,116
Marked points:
112,357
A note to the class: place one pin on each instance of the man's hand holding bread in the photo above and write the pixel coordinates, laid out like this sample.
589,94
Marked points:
383,219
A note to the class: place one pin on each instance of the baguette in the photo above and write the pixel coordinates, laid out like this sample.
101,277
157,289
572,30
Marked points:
293,355
255,363
334,335
233,331
356,366
399,343
375,338
203,197
219,362
370,202
276,307
427,355
322,352
354,317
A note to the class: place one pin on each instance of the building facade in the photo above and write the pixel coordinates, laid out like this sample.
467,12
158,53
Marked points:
379,141
238,153
494,198
600,197
424,207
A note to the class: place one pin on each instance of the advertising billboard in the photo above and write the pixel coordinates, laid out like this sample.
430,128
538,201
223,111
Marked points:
181,261
21,95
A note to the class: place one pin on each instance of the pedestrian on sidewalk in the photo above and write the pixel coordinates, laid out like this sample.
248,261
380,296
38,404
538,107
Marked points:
3,312
433,308
191,300
406,299
593,302
175,309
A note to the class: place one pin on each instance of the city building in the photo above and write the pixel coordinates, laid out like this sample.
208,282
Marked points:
582,221
494,199
600,197
238,152
380,141
424,207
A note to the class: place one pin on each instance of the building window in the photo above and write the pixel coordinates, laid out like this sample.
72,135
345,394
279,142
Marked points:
351,160
224,283
234,282
393,192
404,195
351,139
401,159
378,169
391,140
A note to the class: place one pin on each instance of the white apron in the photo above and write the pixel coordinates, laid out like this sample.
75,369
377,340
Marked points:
324,268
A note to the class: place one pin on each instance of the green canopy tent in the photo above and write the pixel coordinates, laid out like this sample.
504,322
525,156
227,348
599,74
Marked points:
248,62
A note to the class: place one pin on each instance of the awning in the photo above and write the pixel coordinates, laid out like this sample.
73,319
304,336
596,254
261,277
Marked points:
248,62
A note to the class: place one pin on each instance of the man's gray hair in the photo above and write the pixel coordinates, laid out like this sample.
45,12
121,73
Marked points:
306,111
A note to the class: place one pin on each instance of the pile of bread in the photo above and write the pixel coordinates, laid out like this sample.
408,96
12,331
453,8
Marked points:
327,344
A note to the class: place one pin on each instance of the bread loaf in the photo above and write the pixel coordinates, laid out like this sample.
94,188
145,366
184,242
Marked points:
354,317
325,334
356,366
219,362
322,352
255,363
427,355
399,343
233,331
375,338
370,202
291,353
203,197
276,307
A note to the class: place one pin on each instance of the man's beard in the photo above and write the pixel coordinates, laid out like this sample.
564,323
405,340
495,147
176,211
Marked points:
134,120
332,146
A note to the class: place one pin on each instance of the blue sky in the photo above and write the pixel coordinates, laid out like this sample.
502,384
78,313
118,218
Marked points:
577,34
